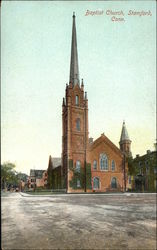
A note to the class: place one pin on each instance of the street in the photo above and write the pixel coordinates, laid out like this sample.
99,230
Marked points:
113,221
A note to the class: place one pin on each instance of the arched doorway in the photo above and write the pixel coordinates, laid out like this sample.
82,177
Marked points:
96,183
114,182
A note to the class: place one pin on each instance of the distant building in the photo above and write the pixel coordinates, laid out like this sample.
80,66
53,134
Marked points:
143,172
22,185
37,178
23,180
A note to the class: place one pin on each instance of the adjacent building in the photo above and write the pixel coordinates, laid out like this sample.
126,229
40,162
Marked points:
54,180
143,172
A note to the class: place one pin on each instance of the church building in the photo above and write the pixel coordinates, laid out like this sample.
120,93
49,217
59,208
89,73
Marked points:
87,165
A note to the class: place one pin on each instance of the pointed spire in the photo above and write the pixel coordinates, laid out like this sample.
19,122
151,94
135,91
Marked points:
74,68
82,84
63,104
124,133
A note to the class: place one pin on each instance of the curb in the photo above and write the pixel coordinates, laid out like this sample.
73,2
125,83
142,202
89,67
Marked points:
84,194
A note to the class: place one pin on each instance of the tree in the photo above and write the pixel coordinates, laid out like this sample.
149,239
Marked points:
8,175
22,176
132,166
50,177
50,173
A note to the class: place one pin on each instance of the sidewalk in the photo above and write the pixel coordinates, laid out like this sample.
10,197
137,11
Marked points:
83,194
69,194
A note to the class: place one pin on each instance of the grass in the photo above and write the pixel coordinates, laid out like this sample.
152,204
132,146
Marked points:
39,193
43,192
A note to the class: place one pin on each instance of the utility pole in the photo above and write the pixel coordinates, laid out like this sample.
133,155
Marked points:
124,174
85,188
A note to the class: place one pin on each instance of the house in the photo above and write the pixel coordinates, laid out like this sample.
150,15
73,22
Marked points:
37,178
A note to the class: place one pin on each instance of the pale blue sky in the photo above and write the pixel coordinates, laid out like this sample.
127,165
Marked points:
116,61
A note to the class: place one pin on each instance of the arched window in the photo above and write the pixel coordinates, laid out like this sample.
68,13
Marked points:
103,162
96,184
76,100
78,183
113,165
94,164
114,182
78,124
78,166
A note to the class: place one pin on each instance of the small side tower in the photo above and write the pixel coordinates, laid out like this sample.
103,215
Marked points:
125,142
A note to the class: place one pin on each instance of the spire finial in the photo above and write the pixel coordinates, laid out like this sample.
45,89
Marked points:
73,13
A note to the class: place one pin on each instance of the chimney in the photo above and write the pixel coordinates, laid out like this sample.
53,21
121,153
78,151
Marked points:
148,152
90,140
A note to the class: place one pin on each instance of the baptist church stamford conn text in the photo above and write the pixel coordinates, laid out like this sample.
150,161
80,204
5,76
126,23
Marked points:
118,13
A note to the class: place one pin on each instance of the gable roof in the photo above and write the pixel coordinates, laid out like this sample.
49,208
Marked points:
56,161
37,173
105,139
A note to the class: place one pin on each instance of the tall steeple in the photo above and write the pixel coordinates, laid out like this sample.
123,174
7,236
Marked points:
125,142
74,123
74,68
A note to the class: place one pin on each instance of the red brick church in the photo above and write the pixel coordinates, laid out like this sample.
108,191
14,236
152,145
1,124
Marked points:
87,165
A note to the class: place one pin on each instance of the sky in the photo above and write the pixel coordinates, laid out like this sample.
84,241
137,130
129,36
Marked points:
117,60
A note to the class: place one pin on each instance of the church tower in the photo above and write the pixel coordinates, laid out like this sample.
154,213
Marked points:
125,142
74,121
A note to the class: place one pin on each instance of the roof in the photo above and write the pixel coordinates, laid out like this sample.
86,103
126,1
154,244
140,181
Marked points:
56,161
37,173
149,155
124,134
107,141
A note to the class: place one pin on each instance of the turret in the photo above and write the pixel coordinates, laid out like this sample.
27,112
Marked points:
82,85
125,142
